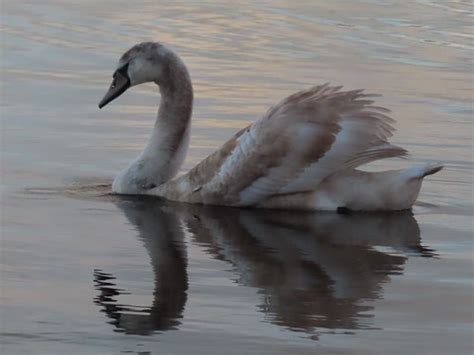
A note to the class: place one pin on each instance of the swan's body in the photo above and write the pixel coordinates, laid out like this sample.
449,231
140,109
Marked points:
301,154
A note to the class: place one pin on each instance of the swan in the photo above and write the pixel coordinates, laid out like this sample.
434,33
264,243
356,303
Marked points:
301,154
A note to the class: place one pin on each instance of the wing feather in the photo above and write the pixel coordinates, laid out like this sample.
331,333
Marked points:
300,141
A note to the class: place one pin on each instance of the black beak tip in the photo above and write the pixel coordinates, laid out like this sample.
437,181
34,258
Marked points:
103,102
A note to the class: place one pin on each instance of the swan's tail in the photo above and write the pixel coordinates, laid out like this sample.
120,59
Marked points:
419,172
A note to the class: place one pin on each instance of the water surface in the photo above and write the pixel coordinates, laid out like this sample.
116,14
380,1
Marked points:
87,273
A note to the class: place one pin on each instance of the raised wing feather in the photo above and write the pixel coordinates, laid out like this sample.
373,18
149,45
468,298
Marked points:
299,142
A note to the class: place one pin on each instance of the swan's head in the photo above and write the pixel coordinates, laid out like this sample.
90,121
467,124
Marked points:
144,62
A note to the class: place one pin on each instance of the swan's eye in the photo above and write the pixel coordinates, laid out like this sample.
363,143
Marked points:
113,84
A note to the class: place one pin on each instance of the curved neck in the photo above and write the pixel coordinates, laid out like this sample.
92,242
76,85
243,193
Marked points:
169,141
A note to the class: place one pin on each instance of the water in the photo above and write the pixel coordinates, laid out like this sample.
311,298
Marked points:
84,273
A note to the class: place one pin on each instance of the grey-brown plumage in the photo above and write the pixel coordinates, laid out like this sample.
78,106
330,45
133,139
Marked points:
301,154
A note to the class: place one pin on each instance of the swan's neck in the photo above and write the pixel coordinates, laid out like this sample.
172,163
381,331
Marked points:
169,141
166,149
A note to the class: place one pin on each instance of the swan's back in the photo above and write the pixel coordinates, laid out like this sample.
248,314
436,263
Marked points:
304,139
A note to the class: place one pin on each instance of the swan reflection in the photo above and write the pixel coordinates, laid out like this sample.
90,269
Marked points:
314,272
163,238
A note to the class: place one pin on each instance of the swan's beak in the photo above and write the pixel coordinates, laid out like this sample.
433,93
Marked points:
120,83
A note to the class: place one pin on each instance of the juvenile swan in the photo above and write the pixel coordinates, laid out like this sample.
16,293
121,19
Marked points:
301,154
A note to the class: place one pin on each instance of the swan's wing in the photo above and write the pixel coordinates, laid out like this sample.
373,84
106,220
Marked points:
299,142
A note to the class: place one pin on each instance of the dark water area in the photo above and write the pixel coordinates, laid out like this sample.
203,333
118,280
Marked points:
86,272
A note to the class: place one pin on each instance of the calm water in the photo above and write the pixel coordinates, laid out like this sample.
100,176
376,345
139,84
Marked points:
85,274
